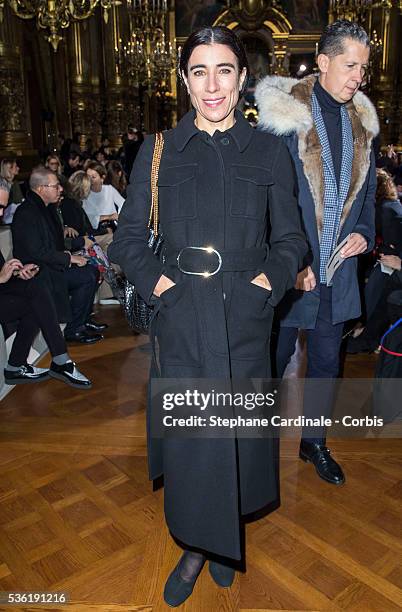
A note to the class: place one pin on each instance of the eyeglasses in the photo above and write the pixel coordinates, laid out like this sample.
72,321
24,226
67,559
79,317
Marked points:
53,185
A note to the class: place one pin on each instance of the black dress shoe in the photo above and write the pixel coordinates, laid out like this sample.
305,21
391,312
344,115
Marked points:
326,467
70,374
360,344
25,374
92,325
84,337
177,590
223,575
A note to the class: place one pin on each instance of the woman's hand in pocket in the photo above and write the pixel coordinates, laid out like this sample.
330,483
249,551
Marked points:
262,281
163,284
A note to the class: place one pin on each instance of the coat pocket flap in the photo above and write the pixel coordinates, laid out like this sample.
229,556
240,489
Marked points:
176,175
253,174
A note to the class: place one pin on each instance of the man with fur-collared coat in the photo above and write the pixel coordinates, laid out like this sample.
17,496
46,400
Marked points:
328,126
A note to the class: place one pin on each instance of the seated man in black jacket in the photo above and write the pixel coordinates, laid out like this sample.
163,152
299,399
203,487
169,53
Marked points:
38,238
378,321
26,300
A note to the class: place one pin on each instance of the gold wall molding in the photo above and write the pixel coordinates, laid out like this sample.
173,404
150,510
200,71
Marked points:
14,121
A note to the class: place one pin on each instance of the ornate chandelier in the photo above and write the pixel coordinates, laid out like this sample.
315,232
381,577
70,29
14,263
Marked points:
355,9
56,15
147,58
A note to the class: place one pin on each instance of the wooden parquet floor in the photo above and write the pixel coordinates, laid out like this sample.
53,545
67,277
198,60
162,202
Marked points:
78,514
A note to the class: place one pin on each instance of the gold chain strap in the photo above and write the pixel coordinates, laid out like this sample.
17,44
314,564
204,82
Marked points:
156,160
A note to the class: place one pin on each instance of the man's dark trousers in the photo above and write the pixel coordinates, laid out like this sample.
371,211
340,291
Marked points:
82,285
323,348
30,303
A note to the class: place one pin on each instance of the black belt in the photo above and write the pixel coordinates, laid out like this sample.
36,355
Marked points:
207,261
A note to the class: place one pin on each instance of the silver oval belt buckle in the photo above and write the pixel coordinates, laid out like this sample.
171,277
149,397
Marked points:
209,250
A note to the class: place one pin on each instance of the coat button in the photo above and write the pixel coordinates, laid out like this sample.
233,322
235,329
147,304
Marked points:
225,141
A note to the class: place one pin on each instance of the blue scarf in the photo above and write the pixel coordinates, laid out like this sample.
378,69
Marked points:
334,198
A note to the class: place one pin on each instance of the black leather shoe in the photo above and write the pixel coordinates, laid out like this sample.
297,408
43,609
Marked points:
70,374
223,575
92,325
25,374
177,590
83,337
326,467
361,344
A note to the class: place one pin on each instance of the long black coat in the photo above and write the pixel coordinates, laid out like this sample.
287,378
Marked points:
38,238
234,190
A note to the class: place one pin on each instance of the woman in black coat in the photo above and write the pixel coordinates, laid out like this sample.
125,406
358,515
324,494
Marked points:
226,186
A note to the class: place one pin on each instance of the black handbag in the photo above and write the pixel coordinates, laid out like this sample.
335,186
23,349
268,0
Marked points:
138,312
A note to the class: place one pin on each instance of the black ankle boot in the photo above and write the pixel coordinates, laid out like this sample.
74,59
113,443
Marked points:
178,589
223,575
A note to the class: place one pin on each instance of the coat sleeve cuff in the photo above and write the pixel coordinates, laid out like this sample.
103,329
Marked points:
278,280
147,291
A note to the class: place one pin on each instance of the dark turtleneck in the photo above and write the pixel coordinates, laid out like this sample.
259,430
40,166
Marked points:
331,114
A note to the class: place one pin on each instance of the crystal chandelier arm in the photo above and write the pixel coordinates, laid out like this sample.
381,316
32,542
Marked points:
55,15
23,9
82,9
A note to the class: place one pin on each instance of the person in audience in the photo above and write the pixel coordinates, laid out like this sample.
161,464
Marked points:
398,183
115,176
38,238
104,201
389,160
74,216
378,321
65,149
9,170
60,141
78,188
388,212
75,146
381,283
388,220
101,158
26,300
106,148
54,164
89,150
73,164
132,144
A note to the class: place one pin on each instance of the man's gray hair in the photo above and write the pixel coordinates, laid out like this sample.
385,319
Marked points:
332,39
40,176
4,185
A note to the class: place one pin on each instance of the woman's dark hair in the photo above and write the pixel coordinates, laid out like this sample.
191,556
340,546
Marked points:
115,176
73,155
386,188
94,165
218,35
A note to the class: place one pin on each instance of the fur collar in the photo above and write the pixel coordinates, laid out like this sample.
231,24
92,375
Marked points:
285,108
